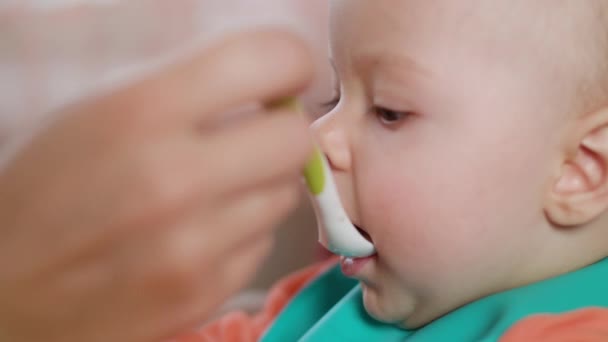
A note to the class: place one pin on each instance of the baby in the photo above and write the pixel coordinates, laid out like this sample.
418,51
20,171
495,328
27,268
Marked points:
469,140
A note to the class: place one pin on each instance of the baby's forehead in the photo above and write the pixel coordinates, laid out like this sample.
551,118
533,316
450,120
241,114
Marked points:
509,29
518,19
558,41
493,26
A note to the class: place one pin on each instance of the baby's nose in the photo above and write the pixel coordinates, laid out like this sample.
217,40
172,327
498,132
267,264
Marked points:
333,141
336,231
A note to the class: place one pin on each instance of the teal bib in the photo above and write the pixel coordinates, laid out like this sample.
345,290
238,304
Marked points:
331,309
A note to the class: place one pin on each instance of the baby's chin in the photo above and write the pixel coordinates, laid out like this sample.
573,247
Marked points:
397,310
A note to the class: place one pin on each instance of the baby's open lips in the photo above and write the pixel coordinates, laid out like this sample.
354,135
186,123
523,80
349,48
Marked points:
364,233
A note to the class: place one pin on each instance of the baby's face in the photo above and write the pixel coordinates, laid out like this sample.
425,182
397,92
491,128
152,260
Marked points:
442,145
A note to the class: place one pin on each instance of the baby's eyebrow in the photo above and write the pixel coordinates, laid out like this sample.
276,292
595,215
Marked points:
398,61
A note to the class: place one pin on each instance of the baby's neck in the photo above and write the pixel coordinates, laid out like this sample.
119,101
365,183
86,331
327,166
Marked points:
566,249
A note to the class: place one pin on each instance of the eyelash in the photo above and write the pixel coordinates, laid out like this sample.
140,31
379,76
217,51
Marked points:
379,112
331,104
396,117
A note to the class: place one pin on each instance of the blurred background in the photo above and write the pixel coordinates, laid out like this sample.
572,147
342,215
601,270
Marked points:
55,51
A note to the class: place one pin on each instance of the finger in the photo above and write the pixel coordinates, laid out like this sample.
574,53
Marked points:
218,231
155,269
248,216
174,302
257,151
251,67
228,278
165,261
165,178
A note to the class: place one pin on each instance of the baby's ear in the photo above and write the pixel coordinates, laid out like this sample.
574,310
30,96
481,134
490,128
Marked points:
580,193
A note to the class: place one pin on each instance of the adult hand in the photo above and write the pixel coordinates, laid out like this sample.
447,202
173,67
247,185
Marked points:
134,215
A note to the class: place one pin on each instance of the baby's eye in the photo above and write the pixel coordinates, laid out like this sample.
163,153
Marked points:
390,117
331,104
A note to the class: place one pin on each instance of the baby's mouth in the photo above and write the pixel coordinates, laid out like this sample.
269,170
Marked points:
351,266
364,233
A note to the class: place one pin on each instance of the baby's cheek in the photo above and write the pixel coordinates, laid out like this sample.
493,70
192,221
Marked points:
402,218
422,227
